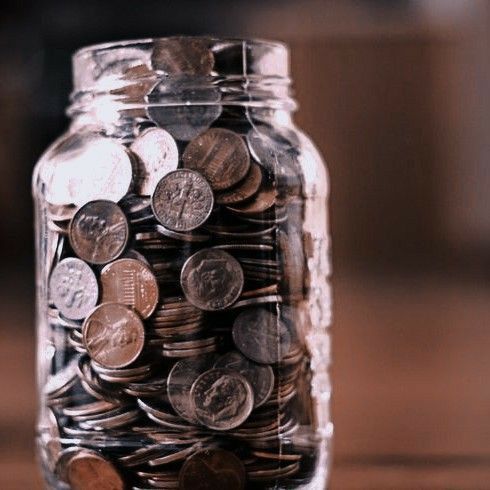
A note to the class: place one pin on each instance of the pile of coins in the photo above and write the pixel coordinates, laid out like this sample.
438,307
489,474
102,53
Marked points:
176,264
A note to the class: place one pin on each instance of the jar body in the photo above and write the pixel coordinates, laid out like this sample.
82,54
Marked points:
183,302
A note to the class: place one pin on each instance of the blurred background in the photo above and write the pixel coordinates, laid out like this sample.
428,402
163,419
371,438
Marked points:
396,95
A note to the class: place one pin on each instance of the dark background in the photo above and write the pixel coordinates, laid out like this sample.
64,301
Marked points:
396,95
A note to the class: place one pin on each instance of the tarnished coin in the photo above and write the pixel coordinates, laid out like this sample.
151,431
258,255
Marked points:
222,399
73,288
157,154
113,335
220,155
212,279
261,336
260,377
89,470
183,200
99,232
132,283
262,201
212,469
244,190
180,55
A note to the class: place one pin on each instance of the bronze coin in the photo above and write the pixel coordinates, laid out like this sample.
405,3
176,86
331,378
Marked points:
132,283
99,232
244,190
212,469
212,279
262,201
113,335
89,470
220,155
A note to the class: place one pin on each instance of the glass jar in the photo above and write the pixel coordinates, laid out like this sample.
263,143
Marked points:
183,301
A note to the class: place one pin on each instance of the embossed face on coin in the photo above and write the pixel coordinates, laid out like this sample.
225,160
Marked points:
73,288
183,200
261,336
222,399
220,155
212,279
113,335
157,155
212,468
99,232
132,283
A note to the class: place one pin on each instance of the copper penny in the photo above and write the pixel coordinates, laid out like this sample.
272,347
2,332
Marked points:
99,232
113,335
244,190
220,155
263,201
132,283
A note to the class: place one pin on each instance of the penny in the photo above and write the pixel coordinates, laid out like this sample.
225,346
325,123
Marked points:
132,283
99,232
183,200
212,279
220,155
157,155
212,468
222,399
73,288
244,190
260,377
261,336
190,56
262,201
90,470
113,335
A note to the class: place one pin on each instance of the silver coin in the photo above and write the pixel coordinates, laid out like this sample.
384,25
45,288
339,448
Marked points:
183,200
212,279
73,288
157,154
261,336
222,399
259,376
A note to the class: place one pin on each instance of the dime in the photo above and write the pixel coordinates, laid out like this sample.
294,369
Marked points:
132,283
73,288
99,232
182,200
113,335
212,279
88,469
222,399
179,55
220,155
157,155
244,190
260,377
212,468
261,336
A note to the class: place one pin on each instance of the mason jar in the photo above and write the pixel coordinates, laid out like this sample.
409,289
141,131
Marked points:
183,301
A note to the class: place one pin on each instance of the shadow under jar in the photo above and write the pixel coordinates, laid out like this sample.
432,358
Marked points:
183,302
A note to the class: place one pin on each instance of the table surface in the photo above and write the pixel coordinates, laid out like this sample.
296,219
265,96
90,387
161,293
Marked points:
410,372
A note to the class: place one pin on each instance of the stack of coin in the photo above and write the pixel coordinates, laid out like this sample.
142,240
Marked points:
176,265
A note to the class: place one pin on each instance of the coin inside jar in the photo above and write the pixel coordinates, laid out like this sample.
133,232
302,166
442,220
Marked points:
220,155
132,283
113,335
212,279
183,200
243,190
99,232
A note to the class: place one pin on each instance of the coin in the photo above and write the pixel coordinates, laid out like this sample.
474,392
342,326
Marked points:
132,283
244,190
212,468
262,201
73,288
260,377
212,279
88,469
261,336
113,335
220,155
157,155
182,200
99,232
222,399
